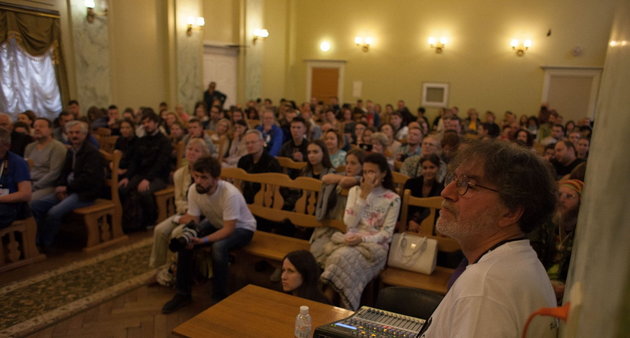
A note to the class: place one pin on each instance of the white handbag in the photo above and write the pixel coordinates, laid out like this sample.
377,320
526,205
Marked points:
413,253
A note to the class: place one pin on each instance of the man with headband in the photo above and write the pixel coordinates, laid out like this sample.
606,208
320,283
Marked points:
228,220
554,240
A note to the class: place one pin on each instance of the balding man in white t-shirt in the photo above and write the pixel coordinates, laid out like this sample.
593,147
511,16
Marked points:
228,225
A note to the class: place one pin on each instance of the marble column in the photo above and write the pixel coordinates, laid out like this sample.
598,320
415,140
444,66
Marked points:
189,55
91,56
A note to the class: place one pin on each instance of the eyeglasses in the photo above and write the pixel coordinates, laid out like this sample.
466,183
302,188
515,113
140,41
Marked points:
462,183
567,196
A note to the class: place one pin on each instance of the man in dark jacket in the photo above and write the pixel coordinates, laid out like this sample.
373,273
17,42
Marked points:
256,161
79,184
148,172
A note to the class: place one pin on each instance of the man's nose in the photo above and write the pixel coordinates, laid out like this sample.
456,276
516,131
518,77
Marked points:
450,191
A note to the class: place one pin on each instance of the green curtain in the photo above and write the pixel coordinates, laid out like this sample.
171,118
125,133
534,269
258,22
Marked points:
36,33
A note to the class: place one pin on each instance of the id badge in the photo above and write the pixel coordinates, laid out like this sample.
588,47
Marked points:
4,192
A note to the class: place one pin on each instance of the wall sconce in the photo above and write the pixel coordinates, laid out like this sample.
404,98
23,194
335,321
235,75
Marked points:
260,34
91,12
520,47
364,42
324,46
195,23
438,44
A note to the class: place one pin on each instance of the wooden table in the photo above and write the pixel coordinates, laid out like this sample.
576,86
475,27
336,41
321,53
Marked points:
254,311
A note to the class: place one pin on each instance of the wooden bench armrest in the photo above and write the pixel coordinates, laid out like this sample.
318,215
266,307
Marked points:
165,192
273,246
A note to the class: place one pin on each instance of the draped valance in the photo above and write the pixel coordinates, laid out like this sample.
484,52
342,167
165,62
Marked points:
36,32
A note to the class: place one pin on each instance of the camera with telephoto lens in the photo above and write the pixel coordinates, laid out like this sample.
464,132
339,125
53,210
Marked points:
180,242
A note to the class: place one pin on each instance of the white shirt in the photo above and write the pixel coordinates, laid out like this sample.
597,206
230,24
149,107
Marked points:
225,204
495,296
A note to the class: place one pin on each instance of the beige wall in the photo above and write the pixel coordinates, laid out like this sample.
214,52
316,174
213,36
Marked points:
139,64
478,63
221,21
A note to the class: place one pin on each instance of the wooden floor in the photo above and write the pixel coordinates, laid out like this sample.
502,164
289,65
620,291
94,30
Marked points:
134,314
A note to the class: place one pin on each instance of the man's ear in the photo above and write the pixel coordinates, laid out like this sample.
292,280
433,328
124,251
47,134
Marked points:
511,216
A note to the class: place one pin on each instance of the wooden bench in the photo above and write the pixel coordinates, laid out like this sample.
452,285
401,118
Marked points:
165,202
438,280
288,163
268,204
103,219
17,245
165,198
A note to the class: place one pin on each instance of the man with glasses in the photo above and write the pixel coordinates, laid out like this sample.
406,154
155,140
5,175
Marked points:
496,194
431,144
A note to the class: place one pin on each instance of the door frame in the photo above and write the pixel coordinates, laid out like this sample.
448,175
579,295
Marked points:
338,64
594,73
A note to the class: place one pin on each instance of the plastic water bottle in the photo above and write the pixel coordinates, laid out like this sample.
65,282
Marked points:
303,323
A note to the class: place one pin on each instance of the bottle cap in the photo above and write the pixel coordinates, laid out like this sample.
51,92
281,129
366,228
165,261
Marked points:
303,309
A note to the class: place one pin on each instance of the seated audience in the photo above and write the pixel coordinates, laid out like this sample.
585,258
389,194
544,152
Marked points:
379,145
360,254
554,240
400,128
425,185
221,132
524,138
295,147
334,143
125,143
565,158
15,186
22,128
27,117
393,146
497,194
195,130
60,126
257,160
170,227
19,141
272,134
413,146
450,144
113,119
201,114
47,156
235,148
582,148
430,145
79,184
557,134
228,225
300,276
148,172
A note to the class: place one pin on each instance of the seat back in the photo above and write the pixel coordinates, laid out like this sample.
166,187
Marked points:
427,226
399,182
408,301
108,143
113,160
288,163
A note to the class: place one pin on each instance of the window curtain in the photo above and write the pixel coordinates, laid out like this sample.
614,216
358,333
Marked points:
39,35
